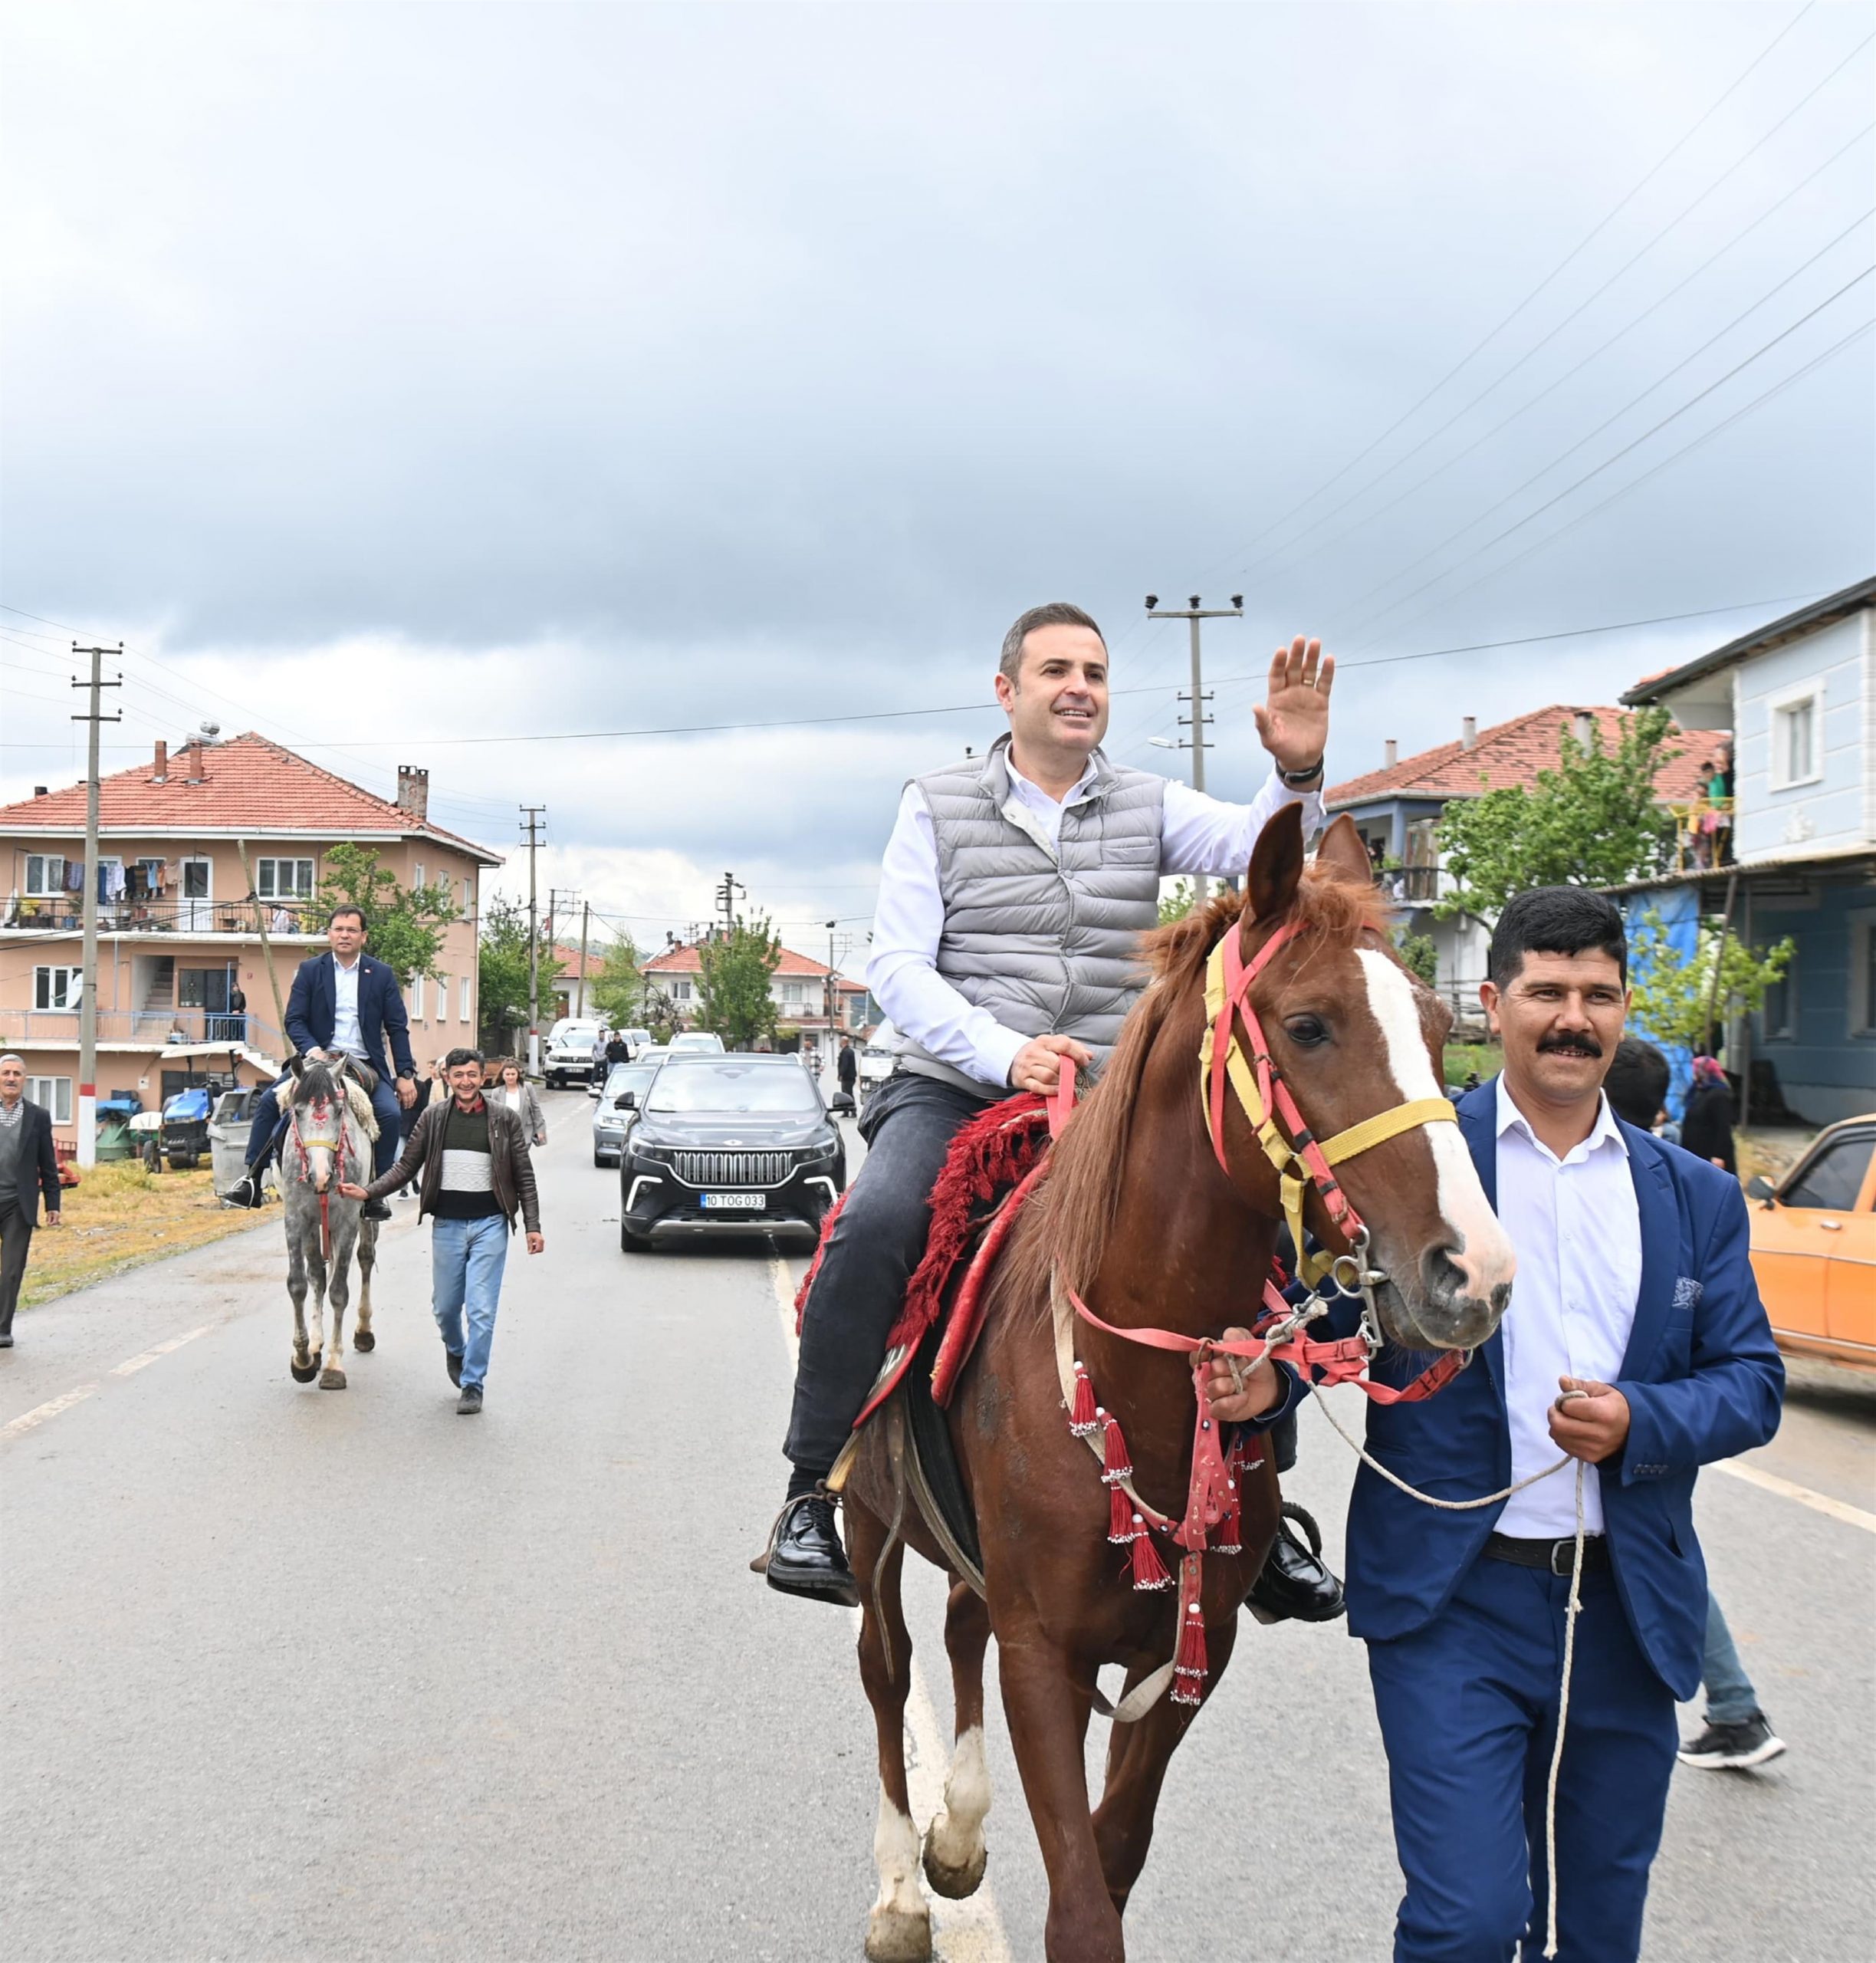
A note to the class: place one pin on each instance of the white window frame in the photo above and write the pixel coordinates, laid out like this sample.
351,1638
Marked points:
417,875
42,890
52,1094
792,995
1787,1031
681,988
266,878
46,981
465,989
1779,709
468,906
443,999
416,998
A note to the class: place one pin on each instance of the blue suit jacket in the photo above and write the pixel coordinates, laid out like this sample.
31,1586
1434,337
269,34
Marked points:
381,1013
1702,1379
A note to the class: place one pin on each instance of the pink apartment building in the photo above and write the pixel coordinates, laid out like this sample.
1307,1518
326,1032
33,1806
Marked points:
179,927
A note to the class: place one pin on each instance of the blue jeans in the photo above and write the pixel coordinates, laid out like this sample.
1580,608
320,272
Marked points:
1468,1708
1730,1698
262,1134
466,1258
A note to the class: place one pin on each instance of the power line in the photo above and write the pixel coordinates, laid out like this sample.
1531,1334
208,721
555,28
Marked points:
1607,463
1576,252
1582,306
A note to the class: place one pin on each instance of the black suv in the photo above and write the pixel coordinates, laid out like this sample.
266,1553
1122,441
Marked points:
736,1143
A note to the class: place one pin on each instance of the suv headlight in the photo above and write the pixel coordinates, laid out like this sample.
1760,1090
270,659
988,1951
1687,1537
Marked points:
814,1152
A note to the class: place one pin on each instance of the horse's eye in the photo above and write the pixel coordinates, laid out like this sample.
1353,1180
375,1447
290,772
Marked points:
1307,1030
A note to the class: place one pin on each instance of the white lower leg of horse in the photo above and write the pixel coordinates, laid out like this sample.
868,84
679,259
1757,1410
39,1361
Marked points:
895,1854
956,1838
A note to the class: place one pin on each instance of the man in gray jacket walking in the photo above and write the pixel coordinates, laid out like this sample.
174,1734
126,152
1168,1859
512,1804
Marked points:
28,1169
1012,895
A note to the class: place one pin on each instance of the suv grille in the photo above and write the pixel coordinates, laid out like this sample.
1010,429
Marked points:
733,1169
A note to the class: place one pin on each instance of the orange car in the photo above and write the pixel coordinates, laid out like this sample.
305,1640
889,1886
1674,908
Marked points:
1814,1246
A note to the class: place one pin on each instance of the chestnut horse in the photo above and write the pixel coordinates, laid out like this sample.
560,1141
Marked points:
1137,1217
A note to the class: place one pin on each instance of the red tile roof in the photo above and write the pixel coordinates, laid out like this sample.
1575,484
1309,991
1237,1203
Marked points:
685,961
248,784
1511,754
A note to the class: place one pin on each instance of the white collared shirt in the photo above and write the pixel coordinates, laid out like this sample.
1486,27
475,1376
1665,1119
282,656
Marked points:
1576,1228
345,1030
1198,834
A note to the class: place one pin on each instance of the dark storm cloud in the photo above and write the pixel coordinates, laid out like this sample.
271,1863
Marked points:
746,361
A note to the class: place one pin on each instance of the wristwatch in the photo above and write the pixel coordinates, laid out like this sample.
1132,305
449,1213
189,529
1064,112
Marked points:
1302,780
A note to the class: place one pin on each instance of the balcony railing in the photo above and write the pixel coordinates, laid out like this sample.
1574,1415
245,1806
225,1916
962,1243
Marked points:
64,913
156,1027
1703,834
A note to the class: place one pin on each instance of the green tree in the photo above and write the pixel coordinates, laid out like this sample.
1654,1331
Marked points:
502,967
618,992
1177,904
1671,994
1594,821
735,997
405,925
1417,951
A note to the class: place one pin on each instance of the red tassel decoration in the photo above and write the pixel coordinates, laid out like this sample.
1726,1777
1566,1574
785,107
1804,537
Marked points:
1149,1571
1231,1539
1123,1523
1115,1463
1189,1665
1083,1414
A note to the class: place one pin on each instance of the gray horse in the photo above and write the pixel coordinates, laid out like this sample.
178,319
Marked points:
330,1131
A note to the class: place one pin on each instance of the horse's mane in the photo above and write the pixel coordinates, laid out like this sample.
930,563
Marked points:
1073,1212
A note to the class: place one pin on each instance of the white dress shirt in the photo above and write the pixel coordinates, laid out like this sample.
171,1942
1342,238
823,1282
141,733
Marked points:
345,1032
1198,834
1576,1229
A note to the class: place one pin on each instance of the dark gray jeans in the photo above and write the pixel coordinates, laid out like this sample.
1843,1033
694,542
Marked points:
16,1230
877,1241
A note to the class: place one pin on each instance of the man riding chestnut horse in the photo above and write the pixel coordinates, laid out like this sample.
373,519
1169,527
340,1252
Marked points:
1012,896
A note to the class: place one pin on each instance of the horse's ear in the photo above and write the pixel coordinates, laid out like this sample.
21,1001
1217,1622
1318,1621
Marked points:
1275,865
298,1066
1342,854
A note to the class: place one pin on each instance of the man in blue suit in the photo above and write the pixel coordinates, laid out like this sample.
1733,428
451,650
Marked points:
1634,1287
343,1004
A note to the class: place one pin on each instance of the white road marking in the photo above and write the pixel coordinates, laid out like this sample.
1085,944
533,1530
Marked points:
1789,1489
132,1365
968,1931
39,1412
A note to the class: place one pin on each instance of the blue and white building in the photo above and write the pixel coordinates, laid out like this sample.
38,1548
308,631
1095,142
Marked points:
1797,698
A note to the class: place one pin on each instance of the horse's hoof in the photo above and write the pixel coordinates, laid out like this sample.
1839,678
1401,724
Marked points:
332,1379
363,1338
305,1373
894,1935
955,1884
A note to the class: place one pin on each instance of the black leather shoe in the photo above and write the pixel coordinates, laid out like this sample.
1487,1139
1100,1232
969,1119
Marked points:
805,1555
375,1209
245,1191
1295,1585
452,1363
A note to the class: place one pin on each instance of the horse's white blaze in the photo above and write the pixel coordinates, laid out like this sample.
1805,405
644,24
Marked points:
957,1832
1479,1248
895,1854
319,1163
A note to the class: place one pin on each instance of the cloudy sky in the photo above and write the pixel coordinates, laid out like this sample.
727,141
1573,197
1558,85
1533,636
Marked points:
389,379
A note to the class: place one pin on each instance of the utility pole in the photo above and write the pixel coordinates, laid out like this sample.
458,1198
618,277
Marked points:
831,992
726,897
558,898
1196,697
87,999
534,822
586,927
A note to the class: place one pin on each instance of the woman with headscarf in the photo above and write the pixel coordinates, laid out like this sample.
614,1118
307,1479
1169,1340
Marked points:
1706,1127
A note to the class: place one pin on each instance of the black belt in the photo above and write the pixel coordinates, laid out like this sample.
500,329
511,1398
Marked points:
1555,1556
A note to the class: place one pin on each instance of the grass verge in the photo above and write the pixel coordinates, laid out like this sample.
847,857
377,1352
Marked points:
119,1216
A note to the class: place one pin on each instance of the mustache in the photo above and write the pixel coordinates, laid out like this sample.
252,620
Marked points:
1569,1046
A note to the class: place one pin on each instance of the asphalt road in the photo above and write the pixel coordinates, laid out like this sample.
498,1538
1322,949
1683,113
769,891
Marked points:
288,1673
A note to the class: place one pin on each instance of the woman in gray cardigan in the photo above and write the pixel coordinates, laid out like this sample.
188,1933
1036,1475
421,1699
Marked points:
518,1094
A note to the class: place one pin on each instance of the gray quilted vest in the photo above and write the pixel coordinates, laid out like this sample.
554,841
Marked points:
1043,936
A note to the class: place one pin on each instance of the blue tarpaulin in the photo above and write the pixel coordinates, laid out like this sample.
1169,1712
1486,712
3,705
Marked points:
1678,910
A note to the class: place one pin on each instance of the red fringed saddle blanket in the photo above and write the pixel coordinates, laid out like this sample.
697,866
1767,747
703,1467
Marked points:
993,1163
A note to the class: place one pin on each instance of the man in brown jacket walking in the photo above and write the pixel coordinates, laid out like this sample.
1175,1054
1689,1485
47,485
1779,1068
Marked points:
470,1158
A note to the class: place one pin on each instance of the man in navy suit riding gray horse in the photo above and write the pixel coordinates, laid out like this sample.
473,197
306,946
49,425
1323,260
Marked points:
1636,1347
344,1004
